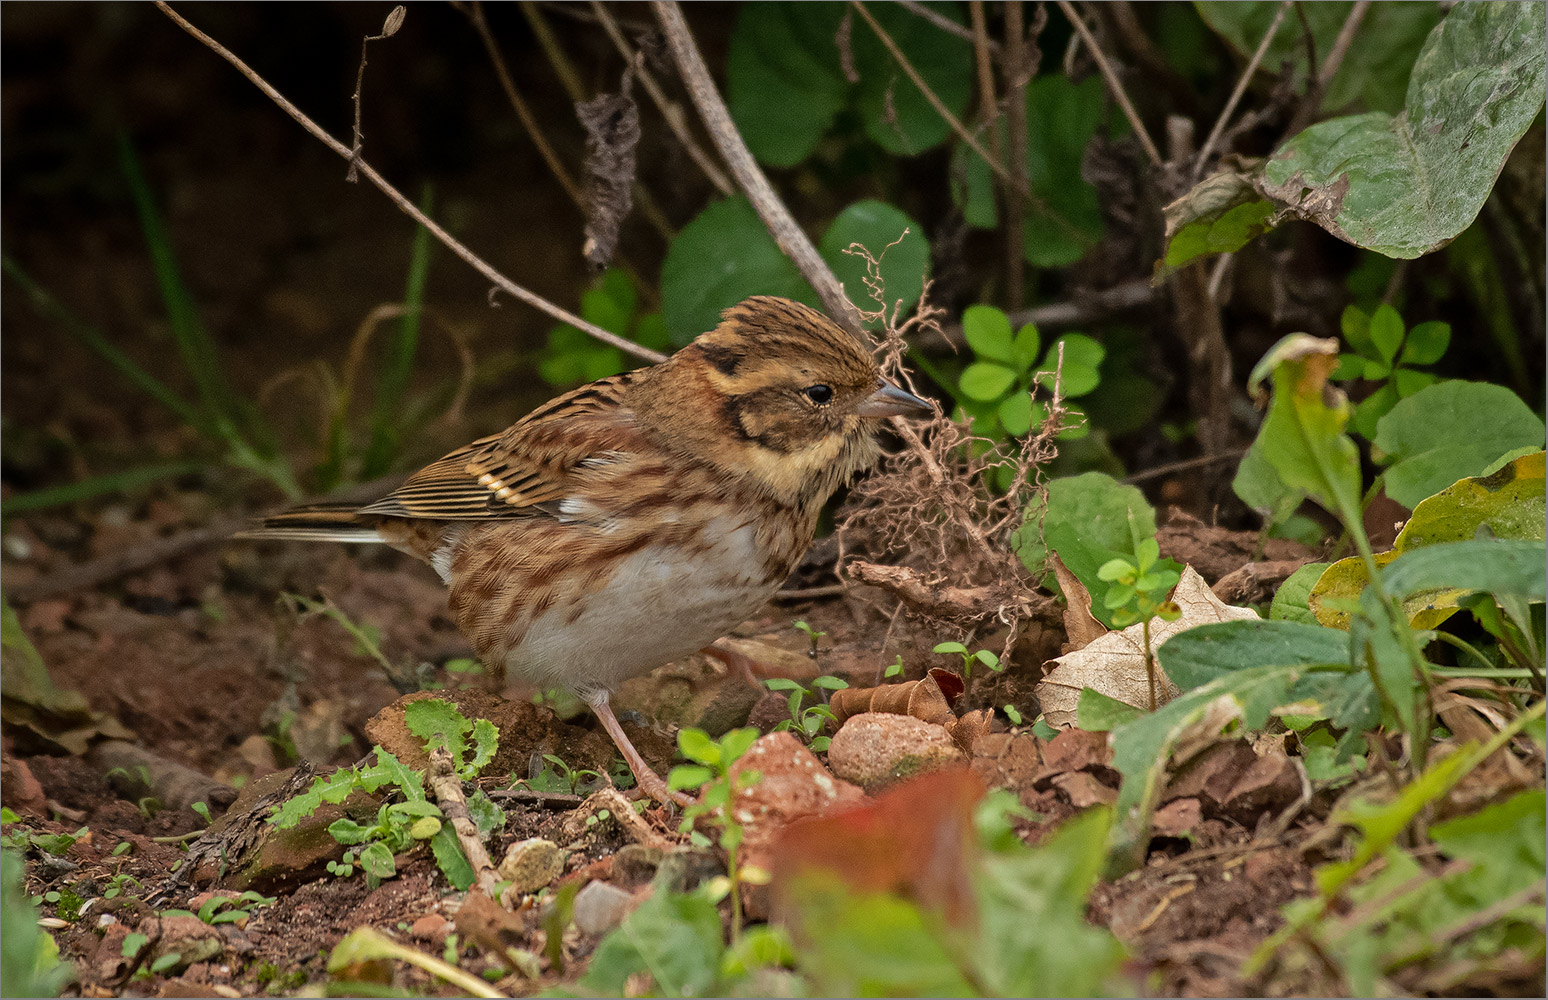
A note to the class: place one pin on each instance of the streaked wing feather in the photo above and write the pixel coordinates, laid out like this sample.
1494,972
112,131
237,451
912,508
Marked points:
525,469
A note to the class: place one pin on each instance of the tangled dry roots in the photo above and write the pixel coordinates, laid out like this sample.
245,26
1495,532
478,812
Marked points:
928,523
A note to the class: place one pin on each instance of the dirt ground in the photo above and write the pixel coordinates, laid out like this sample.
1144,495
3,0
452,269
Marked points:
192,652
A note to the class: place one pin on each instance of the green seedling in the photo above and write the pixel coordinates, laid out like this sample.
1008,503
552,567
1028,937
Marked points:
812,636
1138,592
1384,352
807,720
982,656
571,356
709,774
557,776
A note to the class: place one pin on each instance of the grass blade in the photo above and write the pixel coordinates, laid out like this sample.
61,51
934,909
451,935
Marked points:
194,343
392,385
50,307
96,486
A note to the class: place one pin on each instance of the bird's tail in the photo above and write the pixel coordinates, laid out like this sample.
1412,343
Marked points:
317,523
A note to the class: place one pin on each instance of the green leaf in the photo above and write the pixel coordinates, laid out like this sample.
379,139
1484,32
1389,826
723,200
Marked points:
1497,566
1221,214
1087,521
736,742
896,114
987,381
450,858
1367,415
1260,487
1025,347
1386,332
686,777
1082,356
988,333
1376,68
1448,432
1096,712
437,723
1290,600
1015,413
1206,653
1355,324
783,82
376,861
746,262
1426,343
674,937
1303,435
486,742
697,746
876,225
1510,502
29,958
1406,185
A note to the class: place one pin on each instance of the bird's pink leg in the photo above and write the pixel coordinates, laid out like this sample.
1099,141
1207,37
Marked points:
748,669
649,781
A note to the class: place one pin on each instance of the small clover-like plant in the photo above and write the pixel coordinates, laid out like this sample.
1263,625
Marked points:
1385,351
996,388
709,774
812,636
807,720
1140,591
982,656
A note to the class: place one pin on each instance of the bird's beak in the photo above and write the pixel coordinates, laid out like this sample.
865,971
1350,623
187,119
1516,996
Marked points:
890,401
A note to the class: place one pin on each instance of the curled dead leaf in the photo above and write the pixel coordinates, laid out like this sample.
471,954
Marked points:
1114,664
928,699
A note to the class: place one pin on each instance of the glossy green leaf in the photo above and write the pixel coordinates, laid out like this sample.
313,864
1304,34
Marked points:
1386,332
784,86
1290,600
987,381
988,332
1015,413
1426,343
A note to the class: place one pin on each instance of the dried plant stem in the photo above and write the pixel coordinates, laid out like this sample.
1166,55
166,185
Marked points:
1016,79
940,107
792,241
454,805
672,114
1241,88
945,24
1329,68
1114,85
408,208
389,28
570,80
937,476
475,14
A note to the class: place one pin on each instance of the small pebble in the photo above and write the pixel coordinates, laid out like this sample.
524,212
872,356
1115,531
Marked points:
531,864
600,907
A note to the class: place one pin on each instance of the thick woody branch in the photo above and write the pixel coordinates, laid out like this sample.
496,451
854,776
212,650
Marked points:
454,806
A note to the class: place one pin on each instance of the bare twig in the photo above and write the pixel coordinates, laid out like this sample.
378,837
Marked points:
1017,75
670,112
408,208
389,28
570,80
962,131
1114,85
454,806
792,241
475,14
946,24
1323,75
1183,466
1241,88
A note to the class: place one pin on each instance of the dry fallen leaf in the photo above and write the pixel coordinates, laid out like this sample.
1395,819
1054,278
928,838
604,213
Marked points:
1115,663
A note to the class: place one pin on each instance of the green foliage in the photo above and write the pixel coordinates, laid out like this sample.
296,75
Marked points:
983,656
1448,432
29,958
1089,520
400,825
571,357
748,262
788,86
710,775
1139,589
1385,353
557,776
226,909
1064,216
1401,184
1374,71
996,388
675,937
806,720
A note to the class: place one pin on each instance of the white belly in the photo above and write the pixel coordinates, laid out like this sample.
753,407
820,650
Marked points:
659,606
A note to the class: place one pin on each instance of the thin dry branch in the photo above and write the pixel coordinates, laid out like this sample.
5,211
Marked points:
390,27
1241,88
790,238
946,24
1325,72
1114,85
670,112
475,14
454,806
407,207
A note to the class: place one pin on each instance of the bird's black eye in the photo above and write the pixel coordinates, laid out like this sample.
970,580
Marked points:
819,393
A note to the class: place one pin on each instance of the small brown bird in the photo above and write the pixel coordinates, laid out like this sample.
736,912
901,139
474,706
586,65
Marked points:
635,520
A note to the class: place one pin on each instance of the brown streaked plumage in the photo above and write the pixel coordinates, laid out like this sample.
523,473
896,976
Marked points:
634,520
